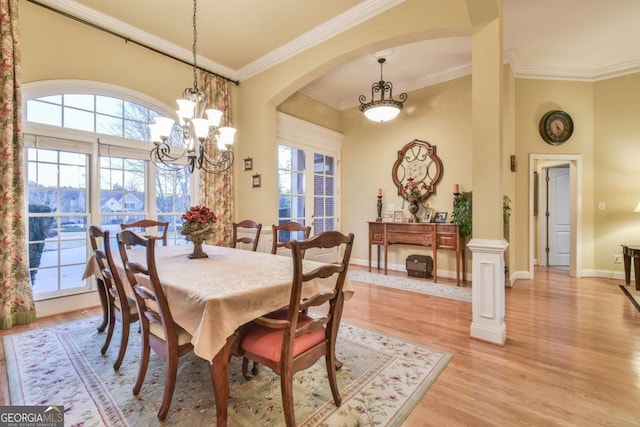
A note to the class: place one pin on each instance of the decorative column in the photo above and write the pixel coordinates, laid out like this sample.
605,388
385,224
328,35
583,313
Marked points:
488,244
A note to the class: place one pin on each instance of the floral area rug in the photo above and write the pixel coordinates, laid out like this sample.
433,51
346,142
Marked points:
457,293
381,381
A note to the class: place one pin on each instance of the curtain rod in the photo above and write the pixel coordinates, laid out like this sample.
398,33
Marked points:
128,40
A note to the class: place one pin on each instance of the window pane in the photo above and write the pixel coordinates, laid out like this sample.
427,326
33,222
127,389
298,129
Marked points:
72,176
73,158
318,163
298,160
328,165
108,105
284,207
52,99
83,102
318,207
77,119
136,130
284,182
137,112
109,125
318,185
73,201
298,183
40,112
329,187
284,157
298,207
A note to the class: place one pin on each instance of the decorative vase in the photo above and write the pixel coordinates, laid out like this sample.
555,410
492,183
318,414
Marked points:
413,210
197,237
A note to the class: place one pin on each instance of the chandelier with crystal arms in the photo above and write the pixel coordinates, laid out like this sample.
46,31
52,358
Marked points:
199,134
385,108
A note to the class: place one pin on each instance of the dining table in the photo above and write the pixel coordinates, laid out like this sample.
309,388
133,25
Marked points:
211,298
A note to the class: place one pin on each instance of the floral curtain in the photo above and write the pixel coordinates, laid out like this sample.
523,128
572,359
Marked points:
16,299
216,190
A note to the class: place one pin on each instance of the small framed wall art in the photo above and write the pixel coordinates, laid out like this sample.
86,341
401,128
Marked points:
248,164
440,217
428,215
256,181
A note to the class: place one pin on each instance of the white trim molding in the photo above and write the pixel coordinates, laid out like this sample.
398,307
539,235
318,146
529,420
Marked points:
488,304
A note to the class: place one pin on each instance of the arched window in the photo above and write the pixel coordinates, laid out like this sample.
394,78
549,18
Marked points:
87,155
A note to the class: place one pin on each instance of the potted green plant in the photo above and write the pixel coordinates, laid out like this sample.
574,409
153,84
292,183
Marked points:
462,212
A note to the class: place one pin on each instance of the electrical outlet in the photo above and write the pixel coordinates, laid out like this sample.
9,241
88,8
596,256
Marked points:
617,258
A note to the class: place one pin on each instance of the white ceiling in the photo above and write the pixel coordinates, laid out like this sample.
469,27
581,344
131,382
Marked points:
555,39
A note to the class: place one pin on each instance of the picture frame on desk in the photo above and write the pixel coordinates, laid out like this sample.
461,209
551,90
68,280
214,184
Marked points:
387,218
440,217
397,216
428,215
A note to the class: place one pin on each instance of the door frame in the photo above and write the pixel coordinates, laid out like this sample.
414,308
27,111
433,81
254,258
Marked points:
536,163
294,132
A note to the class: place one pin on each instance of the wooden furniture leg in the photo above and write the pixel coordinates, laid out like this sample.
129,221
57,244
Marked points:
636,268
104,302
220,379
627,266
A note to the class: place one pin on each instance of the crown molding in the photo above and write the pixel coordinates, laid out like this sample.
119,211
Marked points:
133,33
521,71
349,19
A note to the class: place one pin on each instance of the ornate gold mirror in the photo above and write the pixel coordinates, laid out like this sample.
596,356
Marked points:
418,160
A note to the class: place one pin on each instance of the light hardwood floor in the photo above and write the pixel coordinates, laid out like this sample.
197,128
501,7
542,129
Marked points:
572,356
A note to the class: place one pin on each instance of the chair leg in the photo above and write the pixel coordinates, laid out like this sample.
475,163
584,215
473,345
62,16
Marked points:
110,327
123,343
104,302
331,373
245,369
169,385
286,387
144,362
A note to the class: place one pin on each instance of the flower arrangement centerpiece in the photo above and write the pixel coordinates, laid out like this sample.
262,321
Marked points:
197,225
412,193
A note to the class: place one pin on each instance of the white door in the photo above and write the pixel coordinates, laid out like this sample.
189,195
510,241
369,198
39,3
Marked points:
559,216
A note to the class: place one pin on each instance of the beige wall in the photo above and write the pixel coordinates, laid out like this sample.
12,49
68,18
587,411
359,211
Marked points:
533,99
306,108
437,114
616,168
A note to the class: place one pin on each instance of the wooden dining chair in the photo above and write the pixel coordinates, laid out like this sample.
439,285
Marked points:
288,341
143,224
119,306
299,231
159,331
246,224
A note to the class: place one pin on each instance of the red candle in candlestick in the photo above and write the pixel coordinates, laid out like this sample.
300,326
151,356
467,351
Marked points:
456,188
379,192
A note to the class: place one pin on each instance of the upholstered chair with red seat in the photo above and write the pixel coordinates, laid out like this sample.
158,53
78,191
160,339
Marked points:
288,341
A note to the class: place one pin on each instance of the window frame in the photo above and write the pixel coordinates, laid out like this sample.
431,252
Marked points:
312,139
95,144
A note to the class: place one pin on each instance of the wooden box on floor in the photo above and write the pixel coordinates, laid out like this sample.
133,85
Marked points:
419,266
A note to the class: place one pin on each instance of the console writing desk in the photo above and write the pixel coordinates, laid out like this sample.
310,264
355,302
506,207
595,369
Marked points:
436,236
